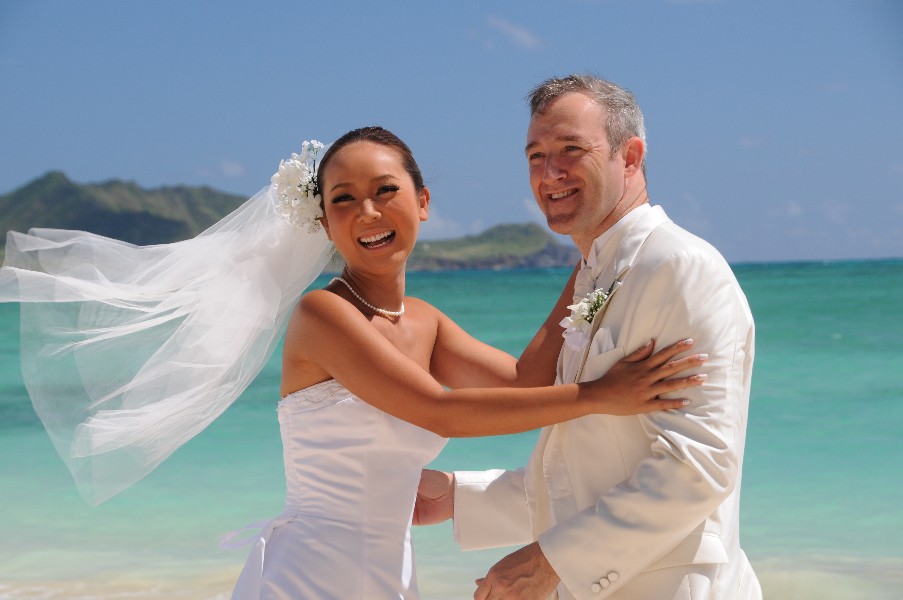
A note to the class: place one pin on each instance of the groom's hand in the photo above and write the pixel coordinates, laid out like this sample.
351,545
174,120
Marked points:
521,575
435,497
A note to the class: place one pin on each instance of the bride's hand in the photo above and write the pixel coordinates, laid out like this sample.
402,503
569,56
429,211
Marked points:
633,384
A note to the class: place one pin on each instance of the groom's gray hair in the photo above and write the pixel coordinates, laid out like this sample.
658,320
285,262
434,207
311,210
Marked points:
624,117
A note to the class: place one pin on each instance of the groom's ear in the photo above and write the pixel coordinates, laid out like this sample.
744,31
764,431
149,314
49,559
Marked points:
633,152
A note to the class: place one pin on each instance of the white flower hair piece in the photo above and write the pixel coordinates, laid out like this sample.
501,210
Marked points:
295,187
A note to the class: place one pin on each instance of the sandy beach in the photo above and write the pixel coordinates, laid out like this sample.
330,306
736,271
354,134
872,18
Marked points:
781,580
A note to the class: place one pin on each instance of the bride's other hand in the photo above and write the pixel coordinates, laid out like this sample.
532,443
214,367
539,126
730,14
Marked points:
633,384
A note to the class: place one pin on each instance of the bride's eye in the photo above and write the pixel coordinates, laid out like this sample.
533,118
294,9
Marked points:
387,189
342,198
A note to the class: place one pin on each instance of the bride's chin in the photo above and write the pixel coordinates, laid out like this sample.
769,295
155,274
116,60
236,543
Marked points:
374,261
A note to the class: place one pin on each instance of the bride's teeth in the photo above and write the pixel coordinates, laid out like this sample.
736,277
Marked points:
375,238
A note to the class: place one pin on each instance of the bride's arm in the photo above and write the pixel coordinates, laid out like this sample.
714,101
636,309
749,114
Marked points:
330,333
460,360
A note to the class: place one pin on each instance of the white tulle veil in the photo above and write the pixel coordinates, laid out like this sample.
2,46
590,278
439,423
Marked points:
130,351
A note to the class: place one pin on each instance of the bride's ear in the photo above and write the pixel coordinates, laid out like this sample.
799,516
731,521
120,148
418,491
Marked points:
424,201
325,223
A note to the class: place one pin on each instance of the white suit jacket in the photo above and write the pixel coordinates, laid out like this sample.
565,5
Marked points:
612,499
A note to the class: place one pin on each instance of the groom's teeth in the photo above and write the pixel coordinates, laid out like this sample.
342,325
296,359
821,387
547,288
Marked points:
561,194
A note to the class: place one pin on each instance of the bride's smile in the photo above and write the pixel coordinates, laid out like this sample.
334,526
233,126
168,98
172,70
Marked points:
378,240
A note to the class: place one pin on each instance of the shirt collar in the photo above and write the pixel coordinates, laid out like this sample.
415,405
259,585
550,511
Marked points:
612,252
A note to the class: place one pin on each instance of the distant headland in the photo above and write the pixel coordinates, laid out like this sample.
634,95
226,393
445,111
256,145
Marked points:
125,211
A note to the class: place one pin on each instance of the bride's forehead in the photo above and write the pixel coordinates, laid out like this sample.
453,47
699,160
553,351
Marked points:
366,149
359,155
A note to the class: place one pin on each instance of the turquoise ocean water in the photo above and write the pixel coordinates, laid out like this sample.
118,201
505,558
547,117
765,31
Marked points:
822,487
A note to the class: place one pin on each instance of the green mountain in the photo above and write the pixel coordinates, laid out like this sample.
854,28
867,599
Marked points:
525,245
116,209
124,211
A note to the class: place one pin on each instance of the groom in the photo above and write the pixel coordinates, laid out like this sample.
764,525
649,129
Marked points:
640,507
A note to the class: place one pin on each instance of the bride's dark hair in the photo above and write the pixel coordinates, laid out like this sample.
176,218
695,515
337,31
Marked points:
376,135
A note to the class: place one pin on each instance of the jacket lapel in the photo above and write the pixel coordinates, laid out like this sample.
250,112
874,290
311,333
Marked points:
612,255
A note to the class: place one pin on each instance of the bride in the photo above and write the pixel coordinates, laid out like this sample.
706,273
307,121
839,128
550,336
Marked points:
373,381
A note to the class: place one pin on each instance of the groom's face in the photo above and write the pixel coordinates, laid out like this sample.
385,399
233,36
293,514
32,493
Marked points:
575,180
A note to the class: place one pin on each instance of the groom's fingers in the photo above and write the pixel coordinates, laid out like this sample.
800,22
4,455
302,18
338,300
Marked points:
482,592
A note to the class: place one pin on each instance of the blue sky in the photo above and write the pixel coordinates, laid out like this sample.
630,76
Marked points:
774,127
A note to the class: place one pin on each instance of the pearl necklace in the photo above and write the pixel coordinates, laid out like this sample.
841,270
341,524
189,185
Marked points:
381,311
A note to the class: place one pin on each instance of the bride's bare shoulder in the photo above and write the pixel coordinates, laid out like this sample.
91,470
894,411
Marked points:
414,303
320,303
421,310
318,311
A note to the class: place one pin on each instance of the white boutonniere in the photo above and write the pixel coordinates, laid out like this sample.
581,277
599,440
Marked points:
295,188
578,327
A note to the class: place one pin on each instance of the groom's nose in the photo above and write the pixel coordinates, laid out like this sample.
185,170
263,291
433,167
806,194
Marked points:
553,168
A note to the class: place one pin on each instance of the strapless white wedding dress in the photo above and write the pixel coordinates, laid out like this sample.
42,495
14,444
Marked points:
351,475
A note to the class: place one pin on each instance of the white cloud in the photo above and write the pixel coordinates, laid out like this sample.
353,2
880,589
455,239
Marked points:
479,37
793,208
690,201
516,34
690,214
836,212
532,211
438,227
751,141
231,168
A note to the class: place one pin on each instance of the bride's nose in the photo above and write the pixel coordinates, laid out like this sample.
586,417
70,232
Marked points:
368,211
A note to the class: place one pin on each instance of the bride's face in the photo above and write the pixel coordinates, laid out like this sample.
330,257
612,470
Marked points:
372,210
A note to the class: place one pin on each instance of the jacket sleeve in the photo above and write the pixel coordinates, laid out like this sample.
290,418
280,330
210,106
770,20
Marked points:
491,509
694,456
